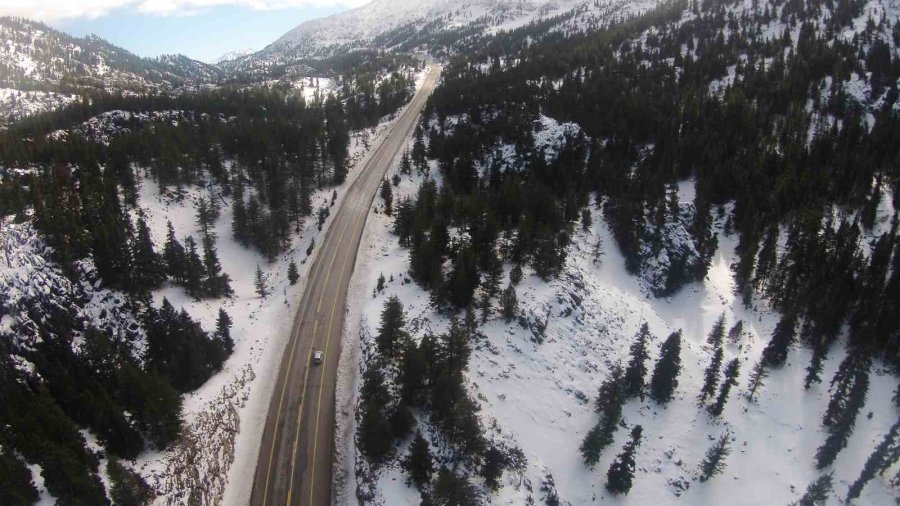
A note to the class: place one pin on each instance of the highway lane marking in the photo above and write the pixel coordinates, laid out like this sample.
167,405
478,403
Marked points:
294,451
312,481
375,156
364,214
316,275
287,375
306,374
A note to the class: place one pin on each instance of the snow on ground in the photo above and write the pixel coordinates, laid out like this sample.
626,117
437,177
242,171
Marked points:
104,126
17,104
313,87
216,456
29,279
540,392
44,497
31,286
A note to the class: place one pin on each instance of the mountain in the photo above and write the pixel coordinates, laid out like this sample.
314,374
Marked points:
427,24
42,68
233,55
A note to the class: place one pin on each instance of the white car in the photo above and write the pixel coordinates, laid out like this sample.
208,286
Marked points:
318,357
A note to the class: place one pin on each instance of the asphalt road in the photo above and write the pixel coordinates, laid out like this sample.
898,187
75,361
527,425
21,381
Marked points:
297,450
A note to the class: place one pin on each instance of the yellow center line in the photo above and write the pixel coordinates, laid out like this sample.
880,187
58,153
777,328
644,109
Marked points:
312,481
362,215
306,374
378,154
287,375
312,283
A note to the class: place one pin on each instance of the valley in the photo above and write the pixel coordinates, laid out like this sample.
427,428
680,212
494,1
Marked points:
458,253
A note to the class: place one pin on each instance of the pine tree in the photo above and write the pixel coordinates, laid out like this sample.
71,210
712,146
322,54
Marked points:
127,488
392,331
711,375
16,485
586,220
108,226
216,282
493,276
304,200
463,279
714,463
375,435
841,384
293,275
469,321
816,362
610,398
509,303
412,369
597,251
452,489
598,438
840,422
223,330
484,303
148,271
405,165
241,226
665,375
494,462
204,215
620,476
515,274
818,491
612,393
418,463
734,335
884,455
732,370
636,371
388,197
194,269
757,377
259,282
174,255
775,353
717,333
178,348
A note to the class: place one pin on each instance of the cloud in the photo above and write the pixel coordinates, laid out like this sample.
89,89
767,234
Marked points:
59,10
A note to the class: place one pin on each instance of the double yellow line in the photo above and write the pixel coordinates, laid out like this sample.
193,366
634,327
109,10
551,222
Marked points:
349,254
312,481
309,359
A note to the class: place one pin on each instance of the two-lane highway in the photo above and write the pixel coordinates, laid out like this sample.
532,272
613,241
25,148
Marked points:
295,457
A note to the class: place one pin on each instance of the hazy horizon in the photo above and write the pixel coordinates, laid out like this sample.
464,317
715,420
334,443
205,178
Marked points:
202,33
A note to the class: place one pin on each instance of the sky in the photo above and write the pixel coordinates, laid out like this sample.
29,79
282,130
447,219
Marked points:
201,29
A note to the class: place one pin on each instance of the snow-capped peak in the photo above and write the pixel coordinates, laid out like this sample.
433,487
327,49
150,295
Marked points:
233,55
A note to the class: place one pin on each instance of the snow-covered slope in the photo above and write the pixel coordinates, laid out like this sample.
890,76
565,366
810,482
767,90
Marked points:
384,24
34,289
233,55
536,378
39,65
381,16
